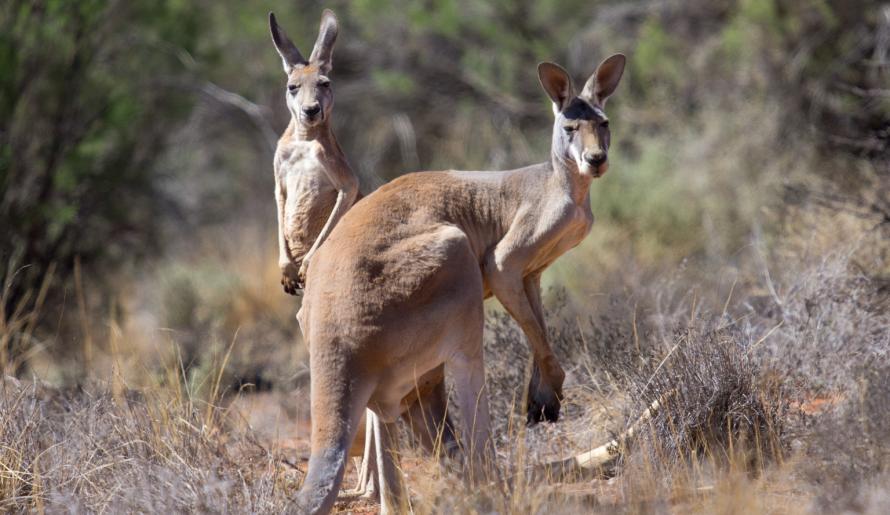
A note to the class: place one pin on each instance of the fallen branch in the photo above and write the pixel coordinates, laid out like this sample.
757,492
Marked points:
601,460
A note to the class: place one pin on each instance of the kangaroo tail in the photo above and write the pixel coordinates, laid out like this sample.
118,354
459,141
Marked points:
338,401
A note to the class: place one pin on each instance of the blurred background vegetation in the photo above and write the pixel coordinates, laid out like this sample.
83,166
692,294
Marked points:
136,142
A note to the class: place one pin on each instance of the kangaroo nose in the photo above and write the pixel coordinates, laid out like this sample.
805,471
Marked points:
595,158
312,110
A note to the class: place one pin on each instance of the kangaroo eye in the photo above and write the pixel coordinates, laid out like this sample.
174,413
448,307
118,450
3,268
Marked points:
605,124
569,129
324,83
293,87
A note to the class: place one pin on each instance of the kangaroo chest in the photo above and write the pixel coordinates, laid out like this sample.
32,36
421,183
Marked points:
309,196
571,227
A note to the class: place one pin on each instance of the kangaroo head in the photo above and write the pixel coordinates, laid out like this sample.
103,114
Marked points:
309,95
581,129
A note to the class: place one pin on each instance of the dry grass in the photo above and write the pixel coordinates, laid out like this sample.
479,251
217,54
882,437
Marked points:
773,388
770,391
91,450
154,425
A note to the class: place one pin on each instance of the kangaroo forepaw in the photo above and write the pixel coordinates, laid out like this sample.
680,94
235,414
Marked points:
291,287
290,280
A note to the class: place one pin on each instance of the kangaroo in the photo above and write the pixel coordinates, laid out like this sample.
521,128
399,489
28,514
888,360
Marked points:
314,184
397,290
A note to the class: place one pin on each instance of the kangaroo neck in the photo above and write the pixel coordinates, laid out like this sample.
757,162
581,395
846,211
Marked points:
567,176
321,133
324,137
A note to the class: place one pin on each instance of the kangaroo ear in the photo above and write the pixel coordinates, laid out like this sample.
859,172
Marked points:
290,56
324,45
557,84
604,80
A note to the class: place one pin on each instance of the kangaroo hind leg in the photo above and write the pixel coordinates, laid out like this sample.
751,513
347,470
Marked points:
337,408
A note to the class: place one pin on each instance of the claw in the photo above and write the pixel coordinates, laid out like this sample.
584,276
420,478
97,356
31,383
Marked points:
289,280
543,400
543,407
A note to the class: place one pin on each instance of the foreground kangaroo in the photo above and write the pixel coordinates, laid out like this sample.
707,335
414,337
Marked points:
314,187
396,292
314,184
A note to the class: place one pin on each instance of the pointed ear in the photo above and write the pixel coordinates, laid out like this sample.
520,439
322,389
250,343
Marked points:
290,56
557,84
324,45
604,80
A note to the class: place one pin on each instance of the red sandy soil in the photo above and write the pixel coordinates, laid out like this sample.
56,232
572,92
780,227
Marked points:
284,430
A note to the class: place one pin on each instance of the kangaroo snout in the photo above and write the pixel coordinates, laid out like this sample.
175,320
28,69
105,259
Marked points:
311,111
595,158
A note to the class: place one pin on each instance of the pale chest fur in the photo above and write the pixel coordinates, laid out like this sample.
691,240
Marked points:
309,195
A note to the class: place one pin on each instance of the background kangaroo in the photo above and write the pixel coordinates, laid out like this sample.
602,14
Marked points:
396,291
314,184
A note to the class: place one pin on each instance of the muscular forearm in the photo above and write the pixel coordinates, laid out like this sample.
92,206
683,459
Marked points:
284,256
345,199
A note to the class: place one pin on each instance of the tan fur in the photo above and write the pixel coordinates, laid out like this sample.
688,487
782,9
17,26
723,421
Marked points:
314,187
396,291
314,184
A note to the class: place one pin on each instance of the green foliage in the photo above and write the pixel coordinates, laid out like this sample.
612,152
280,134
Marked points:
393,83
89,93
95,156
649,198
763,13
657,60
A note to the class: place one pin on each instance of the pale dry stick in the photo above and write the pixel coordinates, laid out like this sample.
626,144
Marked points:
82,314
764,337
21,324
37,486
258,114
118,383
396,290
636,333
661,364
761,260
9,327
600,460
34,314
729,296
214,393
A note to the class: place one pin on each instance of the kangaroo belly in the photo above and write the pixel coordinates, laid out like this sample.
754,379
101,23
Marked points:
310,200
